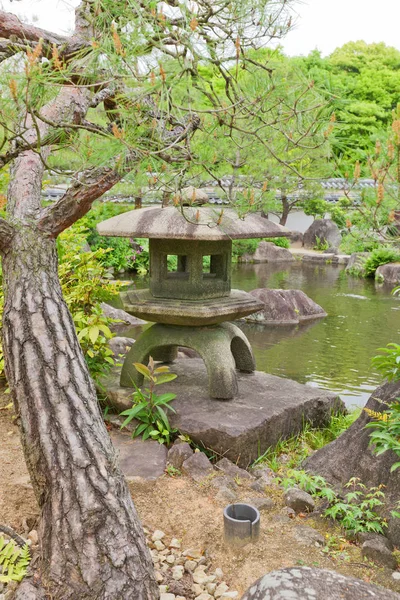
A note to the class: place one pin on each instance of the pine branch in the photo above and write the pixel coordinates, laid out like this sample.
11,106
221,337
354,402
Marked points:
78,199
11,28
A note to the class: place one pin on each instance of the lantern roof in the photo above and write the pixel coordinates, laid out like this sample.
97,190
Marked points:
190,223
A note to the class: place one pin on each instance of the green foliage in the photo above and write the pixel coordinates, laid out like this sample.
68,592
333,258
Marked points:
282,242
358,241
385,434
149,408
380,256
362,81
14,561
313,484
241,247
297,448
320,244
388,363
357,511
84,283
316,207
120,254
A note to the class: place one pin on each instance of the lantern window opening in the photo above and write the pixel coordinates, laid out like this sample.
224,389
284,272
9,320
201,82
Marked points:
214,266
177,266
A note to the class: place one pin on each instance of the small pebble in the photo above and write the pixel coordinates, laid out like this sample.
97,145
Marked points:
159,545
170,559
33,536
159,577
177,572
211,587
197,589
167,597
158,535
222,588
204,596
192,553
163,589
396,575
190,565
175,543
229,595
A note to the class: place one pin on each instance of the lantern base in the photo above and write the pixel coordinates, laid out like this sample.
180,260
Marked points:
223,348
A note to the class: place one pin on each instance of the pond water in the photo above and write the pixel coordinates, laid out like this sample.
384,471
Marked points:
332,353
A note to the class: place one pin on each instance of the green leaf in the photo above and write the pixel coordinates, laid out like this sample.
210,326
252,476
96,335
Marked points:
165,398
132,412
93,334
165,378
143,370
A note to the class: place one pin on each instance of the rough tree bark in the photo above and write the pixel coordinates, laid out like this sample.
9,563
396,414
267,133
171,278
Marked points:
91,542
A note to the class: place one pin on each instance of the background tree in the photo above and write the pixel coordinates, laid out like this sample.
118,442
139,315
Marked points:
362,82
264,152
107,96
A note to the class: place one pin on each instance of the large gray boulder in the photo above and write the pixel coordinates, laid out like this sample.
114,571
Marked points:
389,273
350,455
356,264
268,252
306,583
124,319
325,230
285,307
120,346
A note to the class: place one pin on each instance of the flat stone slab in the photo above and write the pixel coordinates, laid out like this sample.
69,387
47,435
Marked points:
267,409
138,459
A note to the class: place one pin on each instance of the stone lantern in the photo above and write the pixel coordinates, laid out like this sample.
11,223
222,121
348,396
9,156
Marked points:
190,299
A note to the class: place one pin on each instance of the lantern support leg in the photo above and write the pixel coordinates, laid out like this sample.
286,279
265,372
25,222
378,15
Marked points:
223,348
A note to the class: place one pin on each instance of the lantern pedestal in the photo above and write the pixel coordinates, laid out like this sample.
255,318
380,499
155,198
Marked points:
223,348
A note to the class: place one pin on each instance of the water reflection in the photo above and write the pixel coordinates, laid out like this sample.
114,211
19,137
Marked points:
333,353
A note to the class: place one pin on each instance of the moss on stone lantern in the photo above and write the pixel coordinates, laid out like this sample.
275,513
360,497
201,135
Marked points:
191,301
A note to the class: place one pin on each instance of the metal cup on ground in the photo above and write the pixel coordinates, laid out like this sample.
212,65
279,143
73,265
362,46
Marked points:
241,524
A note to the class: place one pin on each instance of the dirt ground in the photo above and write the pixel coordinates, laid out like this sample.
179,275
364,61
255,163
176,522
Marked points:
191,513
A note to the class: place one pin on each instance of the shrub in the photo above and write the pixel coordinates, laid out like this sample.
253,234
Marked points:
378,257
282,242
149,408
84,283
241,247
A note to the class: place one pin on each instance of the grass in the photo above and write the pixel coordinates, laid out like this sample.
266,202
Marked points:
291,452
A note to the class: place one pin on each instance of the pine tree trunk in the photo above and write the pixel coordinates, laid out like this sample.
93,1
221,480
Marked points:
91,542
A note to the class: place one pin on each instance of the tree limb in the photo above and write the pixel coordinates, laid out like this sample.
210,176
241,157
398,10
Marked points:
11,27
78,199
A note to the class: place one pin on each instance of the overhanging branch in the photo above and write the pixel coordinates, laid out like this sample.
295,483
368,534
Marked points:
78,199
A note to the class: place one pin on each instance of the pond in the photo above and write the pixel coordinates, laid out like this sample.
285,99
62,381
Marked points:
332,353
